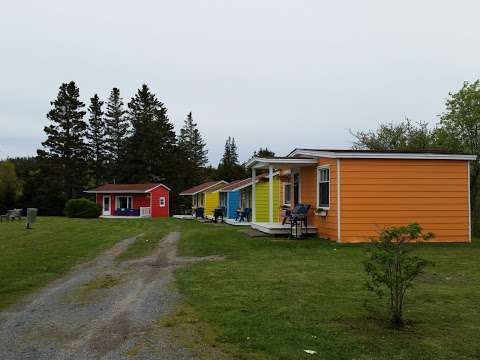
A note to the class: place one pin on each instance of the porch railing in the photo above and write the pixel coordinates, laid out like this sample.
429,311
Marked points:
145,212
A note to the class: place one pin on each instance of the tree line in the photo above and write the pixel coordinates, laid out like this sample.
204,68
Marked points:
136,142
110,141
458,131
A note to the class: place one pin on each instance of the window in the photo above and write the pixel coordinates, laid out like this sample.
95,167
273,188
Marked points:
124,202
223,199
323,179
162,202
287,194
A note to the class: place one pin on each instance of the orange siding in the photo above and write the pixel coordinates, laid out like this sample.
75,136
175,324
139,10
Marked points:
326,226
376,193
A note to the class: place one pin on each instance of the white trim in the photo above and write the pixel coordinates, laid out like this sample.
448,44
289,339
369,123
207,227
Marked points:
160,201
127,196
109,205
203,190
339,223
469,206
258,162
373,155
326,166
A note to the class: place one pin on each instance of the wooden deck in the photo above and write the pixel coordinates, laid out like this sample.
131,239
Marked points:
278,228
237,223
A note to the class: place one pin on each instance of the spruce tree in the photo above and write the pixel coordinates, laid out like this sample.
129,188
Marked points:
96,140
117,129
152,145
229,169
64,154
192,145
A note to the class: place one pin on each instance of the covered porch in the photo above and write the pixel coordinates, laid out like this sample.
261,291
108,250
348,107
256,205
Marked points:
274,225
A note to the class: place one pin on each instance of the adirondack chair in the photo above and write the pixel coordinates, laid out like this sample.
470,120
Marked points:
243,215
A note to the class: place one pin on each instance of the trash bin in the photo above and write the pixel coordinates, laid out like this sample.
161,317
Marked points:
31,216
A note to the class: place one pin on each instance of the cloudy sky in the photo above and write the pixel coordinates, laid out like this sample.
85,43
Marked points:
274,73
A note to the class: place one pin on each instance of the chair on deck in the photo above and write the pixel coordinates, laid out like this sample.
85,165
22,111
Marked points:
242,215
200,213
298,216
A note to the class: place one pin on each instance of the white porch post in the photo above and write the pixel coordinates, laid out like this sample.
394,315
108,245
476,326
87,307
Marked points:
254,205
270,193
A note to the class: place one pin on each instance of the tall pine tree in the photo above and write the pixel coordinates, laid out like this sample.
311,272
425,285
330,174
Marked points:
151,147
229,169
192,145
117,129
96,140
64,155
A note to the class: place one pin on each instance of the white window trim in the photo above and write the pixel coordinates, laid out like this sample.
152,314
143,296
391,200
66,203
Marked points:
119,196
160,201
329,186
284,198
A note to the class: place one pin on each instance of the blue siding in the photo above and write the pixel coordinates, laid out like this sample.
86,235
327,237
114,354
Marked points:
233,203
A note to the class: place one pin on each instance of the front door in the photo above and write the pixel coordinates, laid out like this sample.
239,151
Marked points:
106,205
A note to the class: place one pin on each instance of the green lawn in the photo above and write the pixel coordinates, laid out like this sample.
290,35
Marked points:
31,258
277,298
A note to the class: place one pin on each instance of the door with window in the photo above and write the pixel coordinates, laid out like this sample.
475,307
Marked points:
106,205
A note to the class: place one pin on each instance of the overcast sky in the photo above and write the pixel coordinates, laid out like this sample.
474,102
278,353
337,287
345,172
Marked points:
274,73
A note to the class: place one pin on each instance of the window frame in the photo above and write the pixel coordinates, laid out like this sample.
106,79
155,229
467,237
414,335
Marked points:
289,203
162,201
129,200
319,168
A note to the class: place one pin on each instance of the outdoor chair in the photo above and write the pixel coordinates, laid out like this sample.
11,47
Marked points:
200,212
242,215
298,216
218,213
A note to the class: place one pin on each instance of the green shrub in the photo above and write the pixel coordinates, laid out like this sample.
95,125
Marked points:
82,208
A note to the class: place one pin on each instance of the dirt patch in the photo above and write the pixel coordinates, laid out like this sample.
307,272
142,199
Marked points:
104,309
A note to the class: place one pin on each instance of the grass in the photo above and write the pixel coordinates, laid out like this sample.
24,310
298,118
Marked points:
275,299
146,242
31,258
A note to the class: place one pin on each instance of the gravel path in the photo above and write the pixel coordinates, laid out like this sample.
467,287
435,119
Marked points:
101,310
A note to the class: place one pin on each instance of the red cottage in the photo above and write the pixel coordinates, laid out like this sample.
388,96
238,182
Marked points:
132,200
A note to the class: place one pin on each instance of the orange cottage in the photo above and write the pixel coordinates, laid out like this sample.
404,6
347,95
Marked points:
354,194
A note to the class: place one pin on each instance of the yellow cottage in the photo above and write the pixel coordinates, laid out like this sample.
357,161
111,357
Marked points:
205,196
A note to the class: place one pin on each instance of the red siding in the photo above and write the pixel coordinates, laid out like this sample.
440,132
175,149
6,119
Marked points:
157,210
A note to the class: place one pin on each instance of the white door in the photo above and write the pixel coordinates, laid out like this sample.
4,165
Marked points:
106,205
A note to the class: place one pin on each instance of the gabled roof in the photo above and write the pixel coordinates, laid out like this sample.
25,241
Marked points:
125,188
433,154
240,184
209,185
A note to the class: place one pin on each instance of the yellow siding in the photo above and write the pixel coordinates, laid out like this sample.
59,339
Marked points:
261,199
380,193
211,202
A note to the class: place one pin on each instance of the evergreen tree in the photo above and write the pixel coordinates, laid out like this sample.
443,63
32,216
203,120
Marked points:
192,148
63,158
117,130
263,153
192,144
96,139
152,145
229,169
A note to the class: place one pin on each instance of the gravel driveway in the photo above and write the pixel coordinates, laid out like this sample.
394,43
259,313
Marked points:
103,309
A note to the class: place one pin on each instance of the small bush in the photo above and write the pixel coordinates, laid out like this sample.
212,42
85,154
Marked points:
82,208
